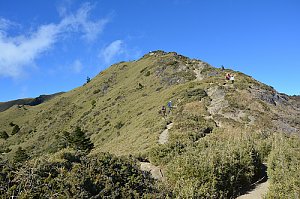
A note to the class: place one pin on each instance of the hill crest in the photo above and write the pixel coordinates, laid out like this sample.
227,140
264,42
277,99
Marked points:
121,104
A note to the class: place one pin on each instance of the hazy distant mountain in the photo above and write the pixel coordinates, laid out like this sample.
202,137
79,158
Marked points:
27,101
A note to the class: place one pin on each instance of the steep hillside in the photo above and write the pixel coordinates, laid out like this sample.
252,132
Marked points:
296,99
119,105
120,108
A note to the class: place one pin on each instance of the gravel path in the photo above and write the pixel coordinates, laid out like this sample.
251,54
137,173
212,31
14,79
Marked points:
164,136
257,193
156,171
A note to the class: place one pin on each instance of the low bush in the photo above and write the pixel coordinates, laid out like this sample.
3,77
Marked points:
71,175
20,155
3,135
96,91
217,166
119,125
195,94
15,130
284,168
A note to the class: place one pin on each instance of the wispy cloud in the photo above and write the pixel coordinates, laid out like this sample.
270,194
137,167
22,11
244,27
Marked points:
20,51
80,22
77,66
112,50
5,24
117,50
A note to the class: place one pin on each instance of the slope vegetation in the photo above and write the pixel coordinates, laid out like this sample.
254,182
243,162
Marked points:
221,131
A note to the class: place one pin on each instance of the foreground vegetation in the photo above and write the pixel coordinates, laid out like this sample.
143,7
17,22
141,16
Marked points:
71,174
224,165
284,167
219,165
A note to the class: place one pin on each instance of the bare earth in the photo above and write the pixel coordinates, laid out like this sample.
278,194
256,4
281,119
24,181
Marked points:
164,136
257,193
156,171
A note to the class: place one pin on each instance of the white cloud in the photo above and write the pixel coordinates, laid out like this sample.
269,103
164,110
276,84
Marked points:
118,50
80,22
20,51
77,66
112,50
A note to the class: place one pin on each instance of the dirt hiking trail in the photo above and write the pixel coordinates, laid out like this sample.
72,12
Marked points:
260,188
164,136
257,193
156,171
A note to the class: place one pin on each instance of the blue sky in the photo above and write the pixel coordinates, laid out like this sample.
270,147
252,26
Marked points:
52,46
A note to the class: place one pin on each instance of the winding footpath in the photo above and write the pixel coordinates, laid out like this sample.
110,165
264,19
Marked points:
156,171
164,136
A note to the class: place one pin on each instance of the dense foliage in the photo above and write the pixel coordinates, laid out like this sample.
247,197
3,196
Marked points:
214,167
284,168
69,174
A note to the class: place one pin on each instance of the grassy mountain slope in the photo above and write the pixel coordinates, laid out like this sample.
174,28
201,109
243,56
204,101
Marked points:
119,110
121,102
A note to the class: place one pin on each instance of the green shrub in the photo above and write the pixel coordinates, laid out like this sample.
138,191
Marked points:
20,155
284,168
93,103
119,125
196,94
88,79
15,130
78,140
140,86
163,154
76,176
217,166
3,135
213,169
96,91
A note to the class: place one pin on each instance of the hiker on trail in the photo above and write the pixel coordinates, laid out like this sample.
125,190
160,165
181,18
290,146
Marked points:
170,106
227,77
163,111
231,79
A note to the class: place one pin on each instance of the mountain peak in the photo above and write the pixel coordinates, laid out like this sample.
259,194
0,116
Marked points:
162,108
